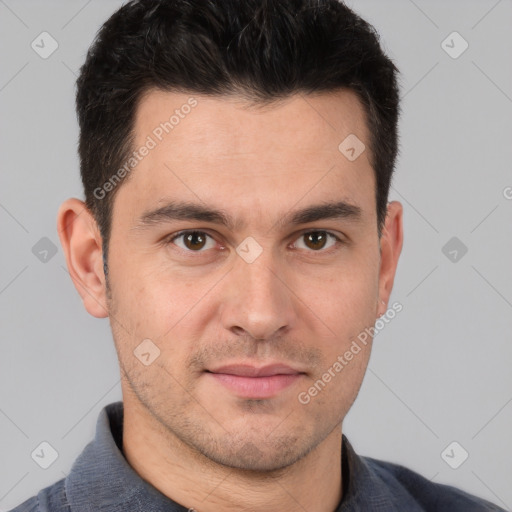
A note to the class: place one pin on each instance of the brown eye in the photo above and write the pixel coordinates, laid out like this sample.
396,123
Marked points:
317,240
193,241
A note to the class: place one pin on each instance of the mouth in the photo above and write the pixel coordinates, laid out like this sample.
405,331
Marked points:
247,381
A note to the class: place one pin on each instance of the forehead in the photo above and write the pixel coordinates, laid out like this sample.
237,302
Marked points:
211,125
221,150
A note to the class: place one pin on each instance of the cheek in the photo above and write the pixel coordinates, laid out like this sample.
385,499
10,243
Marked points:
151,307
344,299
167,308
147,298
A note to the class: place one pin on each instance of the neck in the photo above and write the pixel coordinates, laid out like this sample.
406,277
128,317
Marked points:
313,483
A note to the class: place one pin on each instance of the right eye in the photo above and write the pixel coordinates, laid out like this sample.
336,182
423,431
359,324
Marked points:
192,240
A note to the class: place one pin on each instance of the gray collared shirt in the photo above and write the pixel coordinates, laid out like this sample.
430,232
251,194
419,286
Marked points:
102,480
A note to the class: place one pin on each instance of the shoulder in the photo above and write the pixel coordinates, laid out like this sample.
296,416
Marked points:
50,499
431,496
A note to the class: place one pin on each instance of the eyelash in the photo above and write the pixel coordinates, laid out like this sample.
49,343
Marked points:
175,236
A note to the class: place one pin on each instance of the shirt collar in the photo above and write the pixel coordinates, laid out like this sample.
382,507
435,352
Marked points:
101,477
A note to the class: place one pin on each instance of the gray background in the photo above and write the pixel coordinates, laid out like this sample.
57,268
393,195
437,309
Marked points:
440,371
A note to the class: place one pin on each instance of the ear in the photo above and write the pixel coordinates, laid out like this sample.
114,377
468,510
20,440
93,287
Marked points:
81,242
390,249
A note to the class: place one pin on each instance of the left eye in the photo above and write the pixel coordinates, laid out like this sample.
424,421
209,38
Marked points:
195,241
317,240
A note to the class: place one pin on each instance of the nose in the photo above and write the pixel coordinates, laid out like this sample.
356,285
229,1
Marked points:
257,300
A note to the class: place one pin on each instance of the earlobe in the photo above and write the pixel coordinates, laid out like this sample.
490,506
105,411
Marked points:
391,246
81,243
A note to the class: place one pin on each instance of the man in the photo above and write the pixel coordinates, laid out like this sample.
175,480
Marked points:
236,159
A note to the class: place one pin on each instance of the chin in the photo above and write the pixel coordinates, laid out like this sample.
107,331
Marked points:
257,456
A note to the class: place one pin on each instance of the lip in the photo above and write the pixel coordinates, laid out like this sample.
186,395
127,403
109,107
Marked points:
249,381
247,370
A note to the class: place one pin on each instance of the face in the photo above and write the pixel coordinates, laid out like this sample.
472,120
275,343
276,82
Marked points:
249,308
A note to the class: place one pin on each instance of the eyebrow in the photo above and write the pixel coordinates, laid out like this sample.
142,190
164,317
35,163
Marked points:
179,210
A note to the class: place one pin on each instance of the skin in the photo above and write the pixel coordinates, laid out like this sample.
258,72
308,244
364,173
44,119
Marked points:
297,303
